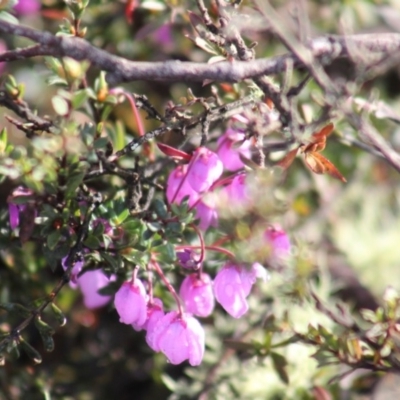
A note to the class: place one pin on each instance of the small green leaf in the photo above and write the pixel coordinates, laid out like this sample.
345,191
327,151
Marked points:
30,351
43,326
101,143
238,345
16,308
110,289
48,341
121,217
280,364
79,98
160,208
74,180
60,105
3,140
154,226
5,16
113,260
61,319
92,242
53,239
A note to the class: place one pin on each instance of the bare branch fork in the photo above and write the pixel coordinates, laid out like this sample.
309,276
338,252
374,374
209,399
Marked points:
325,49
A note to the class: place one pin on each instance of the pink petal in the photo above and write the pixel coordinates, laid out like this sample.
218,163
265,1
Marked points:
208,216
196,339
230,291
90,283
229,153
178,187
156,330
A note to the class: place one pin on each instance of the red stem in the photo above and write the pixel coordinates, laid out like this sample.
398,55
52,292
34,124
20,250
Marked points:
169,286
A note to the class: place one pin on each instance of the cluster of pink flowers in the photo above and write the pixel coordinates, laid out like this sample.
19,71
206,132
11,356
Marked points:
178,334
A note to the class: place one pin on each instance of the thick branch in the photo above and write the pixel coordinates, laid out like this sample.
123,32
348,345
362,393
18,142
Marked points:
325,49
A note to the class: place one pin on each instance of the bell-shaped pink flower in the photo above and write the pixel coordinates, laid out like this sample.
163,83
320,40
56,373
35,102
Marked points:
229,149
130,303
197,294
204,169
178,186
233,284
237,192
90,283
279,242
207,214
180,338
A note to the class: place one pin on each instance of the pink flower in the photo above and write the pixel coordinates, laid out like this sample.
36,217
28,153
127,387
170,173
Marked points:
279,242
73,283
204,169
178,187
180,338
236,191
187,258
90,283
208,215
197,295
14,209
230,149
154,313
163,35
27,7
130,303
233,284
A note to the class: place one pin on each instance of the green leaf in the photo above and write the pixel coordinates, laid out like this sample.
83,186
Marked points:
167,251
3,140
79,98
92,242
60,317
43,326
55,80
60,105
238,345
153,226
132,226
101,143
30,351
53,239
160,208
48,341
280,364
74,180
5,16
110,289
16,308
113,260
121,217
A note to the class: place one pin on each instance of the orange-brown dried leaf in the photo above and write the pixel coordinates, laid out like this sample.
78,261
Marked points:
319,139
321,165
287,161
